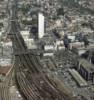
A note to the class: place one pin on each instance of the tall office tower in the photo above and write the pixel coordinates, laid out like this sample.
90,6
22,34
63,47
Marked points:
40,25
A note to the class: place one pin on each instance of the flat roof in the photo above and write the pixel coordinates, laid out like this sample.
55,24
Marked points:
80,81
87,65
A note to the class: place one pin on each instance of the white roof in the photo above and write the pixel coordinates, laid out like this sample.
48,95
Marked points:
71,37
0,33
81,51
25,32
8,44
29,40
5,62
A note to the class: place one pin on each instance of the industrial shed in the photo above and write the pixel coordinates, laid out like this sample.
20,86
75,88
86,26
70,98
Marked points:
86,69
79,80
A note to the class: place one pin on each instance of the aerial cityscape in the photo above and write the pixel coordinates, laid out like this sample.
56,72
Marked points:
46,49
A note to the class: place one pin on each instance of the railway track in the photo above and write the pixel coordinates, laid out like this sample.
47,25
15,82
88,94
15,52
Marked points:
46,89
5,86
4,92
28,89
32,83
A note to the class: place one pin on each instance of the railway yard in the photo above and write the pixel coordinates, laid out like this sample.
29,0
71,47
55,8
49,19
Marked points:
66,74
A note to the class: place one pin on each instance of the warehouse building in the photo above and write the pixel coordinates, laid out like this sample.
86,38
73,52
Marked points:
77,77
86,69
